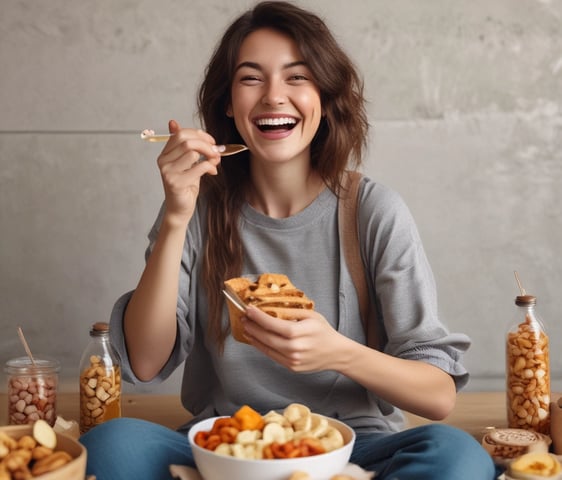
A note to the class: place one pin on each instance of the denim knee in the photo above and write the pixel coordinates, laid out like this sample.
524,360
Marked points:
127,448
451,444
435,451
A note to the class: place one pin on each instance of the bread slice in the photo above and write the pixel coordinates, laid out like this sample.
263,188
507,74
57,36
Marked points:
272,293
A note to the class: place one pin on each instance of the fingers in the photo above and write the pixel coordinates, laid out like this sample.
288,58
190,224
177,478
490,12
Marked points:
271,330
181,167
187,146
173,126
272,323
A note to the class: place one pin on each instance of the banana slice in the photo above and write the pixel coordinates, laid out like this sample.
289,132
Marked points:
275,417
295,412
303,424
290,434
332,440
273,432
535,465
223,449
319,425
238,450
298,475
246,437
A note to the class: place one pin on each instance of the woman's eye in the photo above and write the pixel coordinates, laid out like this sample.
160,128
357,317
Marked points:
298,77
250,78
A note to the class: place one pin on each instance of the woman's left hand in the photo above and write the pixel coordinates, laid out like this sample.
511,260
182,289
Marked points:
312,344
305,345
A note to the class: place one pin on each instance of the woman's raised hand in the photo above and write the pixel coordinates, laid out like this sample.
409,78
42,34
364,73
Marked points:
181,169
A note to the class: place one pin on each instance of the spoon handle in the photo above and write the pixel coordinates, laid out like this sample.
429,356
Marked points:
229,148
155,138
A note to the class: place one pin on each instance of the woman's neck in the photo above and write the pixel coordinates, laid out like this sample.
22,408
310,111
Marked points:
284,190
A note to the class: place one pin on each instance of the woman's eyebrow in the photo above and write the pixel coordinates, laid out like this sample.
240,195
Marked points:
257,66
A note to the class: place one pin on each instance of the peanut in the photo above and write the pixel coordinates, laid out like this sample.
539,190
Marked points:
22,473
15,460
27,442
40,452
32,397
528,379
50,463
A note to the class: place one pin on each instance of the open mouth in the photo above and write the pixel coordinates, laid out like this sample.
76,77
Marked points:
276,124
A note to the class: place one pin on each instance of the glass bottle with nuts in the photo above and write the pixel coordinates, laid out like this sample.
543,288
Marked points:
100,380
528,370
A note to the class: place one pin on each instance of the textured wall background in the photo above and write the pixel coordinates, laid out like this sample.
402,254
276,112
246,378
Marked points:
466,107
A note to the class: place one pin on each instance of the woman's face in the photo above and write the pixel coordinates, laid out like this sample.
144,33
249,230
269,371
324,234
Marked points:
275,101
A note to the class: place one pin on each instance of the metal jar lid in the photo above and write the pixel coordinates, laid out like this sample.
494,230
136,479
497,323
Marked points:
525,300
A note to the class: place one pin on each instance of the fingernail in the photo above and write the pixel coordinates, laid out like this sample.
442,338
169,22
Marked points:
219,148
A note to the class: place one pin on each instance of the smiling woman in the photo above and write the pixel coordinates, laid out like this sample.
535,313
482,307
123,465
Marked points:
279,83
275,102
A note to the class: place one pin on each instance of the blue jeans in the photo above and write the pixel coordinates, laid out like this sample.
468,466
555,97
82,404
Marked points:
128,448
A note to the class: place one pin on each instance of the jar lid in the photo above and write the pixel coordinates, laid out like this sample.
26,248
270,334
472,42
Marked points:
525,300
23,365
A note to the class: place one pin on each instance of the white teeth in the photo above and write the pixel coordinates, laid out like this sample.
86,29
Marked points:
276,121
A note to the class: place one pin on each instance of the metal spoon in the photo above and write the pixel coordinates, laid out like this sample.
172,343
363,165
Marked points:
230,148
234,298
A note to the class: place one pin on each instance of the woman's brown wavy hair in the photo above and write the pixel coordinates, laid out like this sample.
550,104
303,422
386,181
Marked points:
337,145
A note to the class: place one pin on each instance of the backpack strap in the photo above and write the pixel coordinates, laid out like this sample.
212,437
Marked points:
348,226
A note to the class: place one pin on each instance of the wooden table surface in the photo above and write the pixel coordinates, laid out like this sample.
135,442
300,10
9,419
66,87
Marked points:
164,409
473,413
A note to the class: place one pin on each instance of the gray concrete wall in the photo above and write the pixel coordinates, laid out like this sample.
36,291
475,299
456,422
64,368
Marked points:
466,107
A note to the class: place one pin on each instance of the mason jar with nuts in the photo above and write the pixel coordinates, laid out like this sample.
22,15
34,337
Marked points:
100,380
32,390
528,370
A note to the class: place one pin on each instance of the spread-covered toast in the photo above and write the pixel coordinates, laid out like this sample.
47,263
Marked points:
272,293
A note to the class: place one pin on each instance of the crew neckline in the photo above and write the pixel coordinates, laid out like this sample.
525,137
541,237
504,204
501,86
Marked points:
310,214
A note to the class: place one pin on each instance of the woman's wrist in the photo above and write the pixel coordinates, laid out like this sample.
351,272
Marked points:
175,222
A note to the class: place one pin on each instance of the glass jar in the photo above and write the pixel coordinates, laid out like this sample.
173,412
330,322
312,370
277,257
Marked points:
528,369
32,390
100,380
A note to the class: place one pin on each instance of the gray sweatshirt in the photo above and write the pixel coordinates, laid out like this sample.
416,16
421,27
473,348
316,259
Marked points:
306,247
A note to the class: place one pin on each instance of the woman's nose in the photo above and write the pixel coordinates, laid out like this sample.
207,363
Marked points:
274,94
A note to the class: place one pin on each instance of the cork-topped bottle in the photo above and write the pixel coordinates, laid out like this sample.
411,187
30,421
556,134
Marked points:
100,380
528,369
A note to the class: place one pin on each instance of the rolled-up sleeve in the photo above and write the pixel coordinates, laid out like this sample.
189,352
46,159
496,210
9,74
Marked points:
184,339
406,294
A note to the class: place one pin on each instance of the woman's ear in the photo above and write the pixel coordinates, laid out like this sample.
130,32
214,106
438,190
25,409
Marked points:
229,111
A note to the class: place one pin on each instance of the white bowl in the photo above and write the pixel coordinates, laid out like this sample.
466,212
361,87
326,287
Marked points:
213,466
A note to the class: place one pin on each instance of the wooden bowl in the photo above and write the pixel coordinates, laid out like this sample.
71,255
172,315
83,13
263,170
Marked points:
74,470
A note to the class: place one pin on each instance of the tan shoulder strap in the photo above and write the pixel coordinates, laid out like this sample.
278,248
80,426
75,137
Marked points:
349,236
